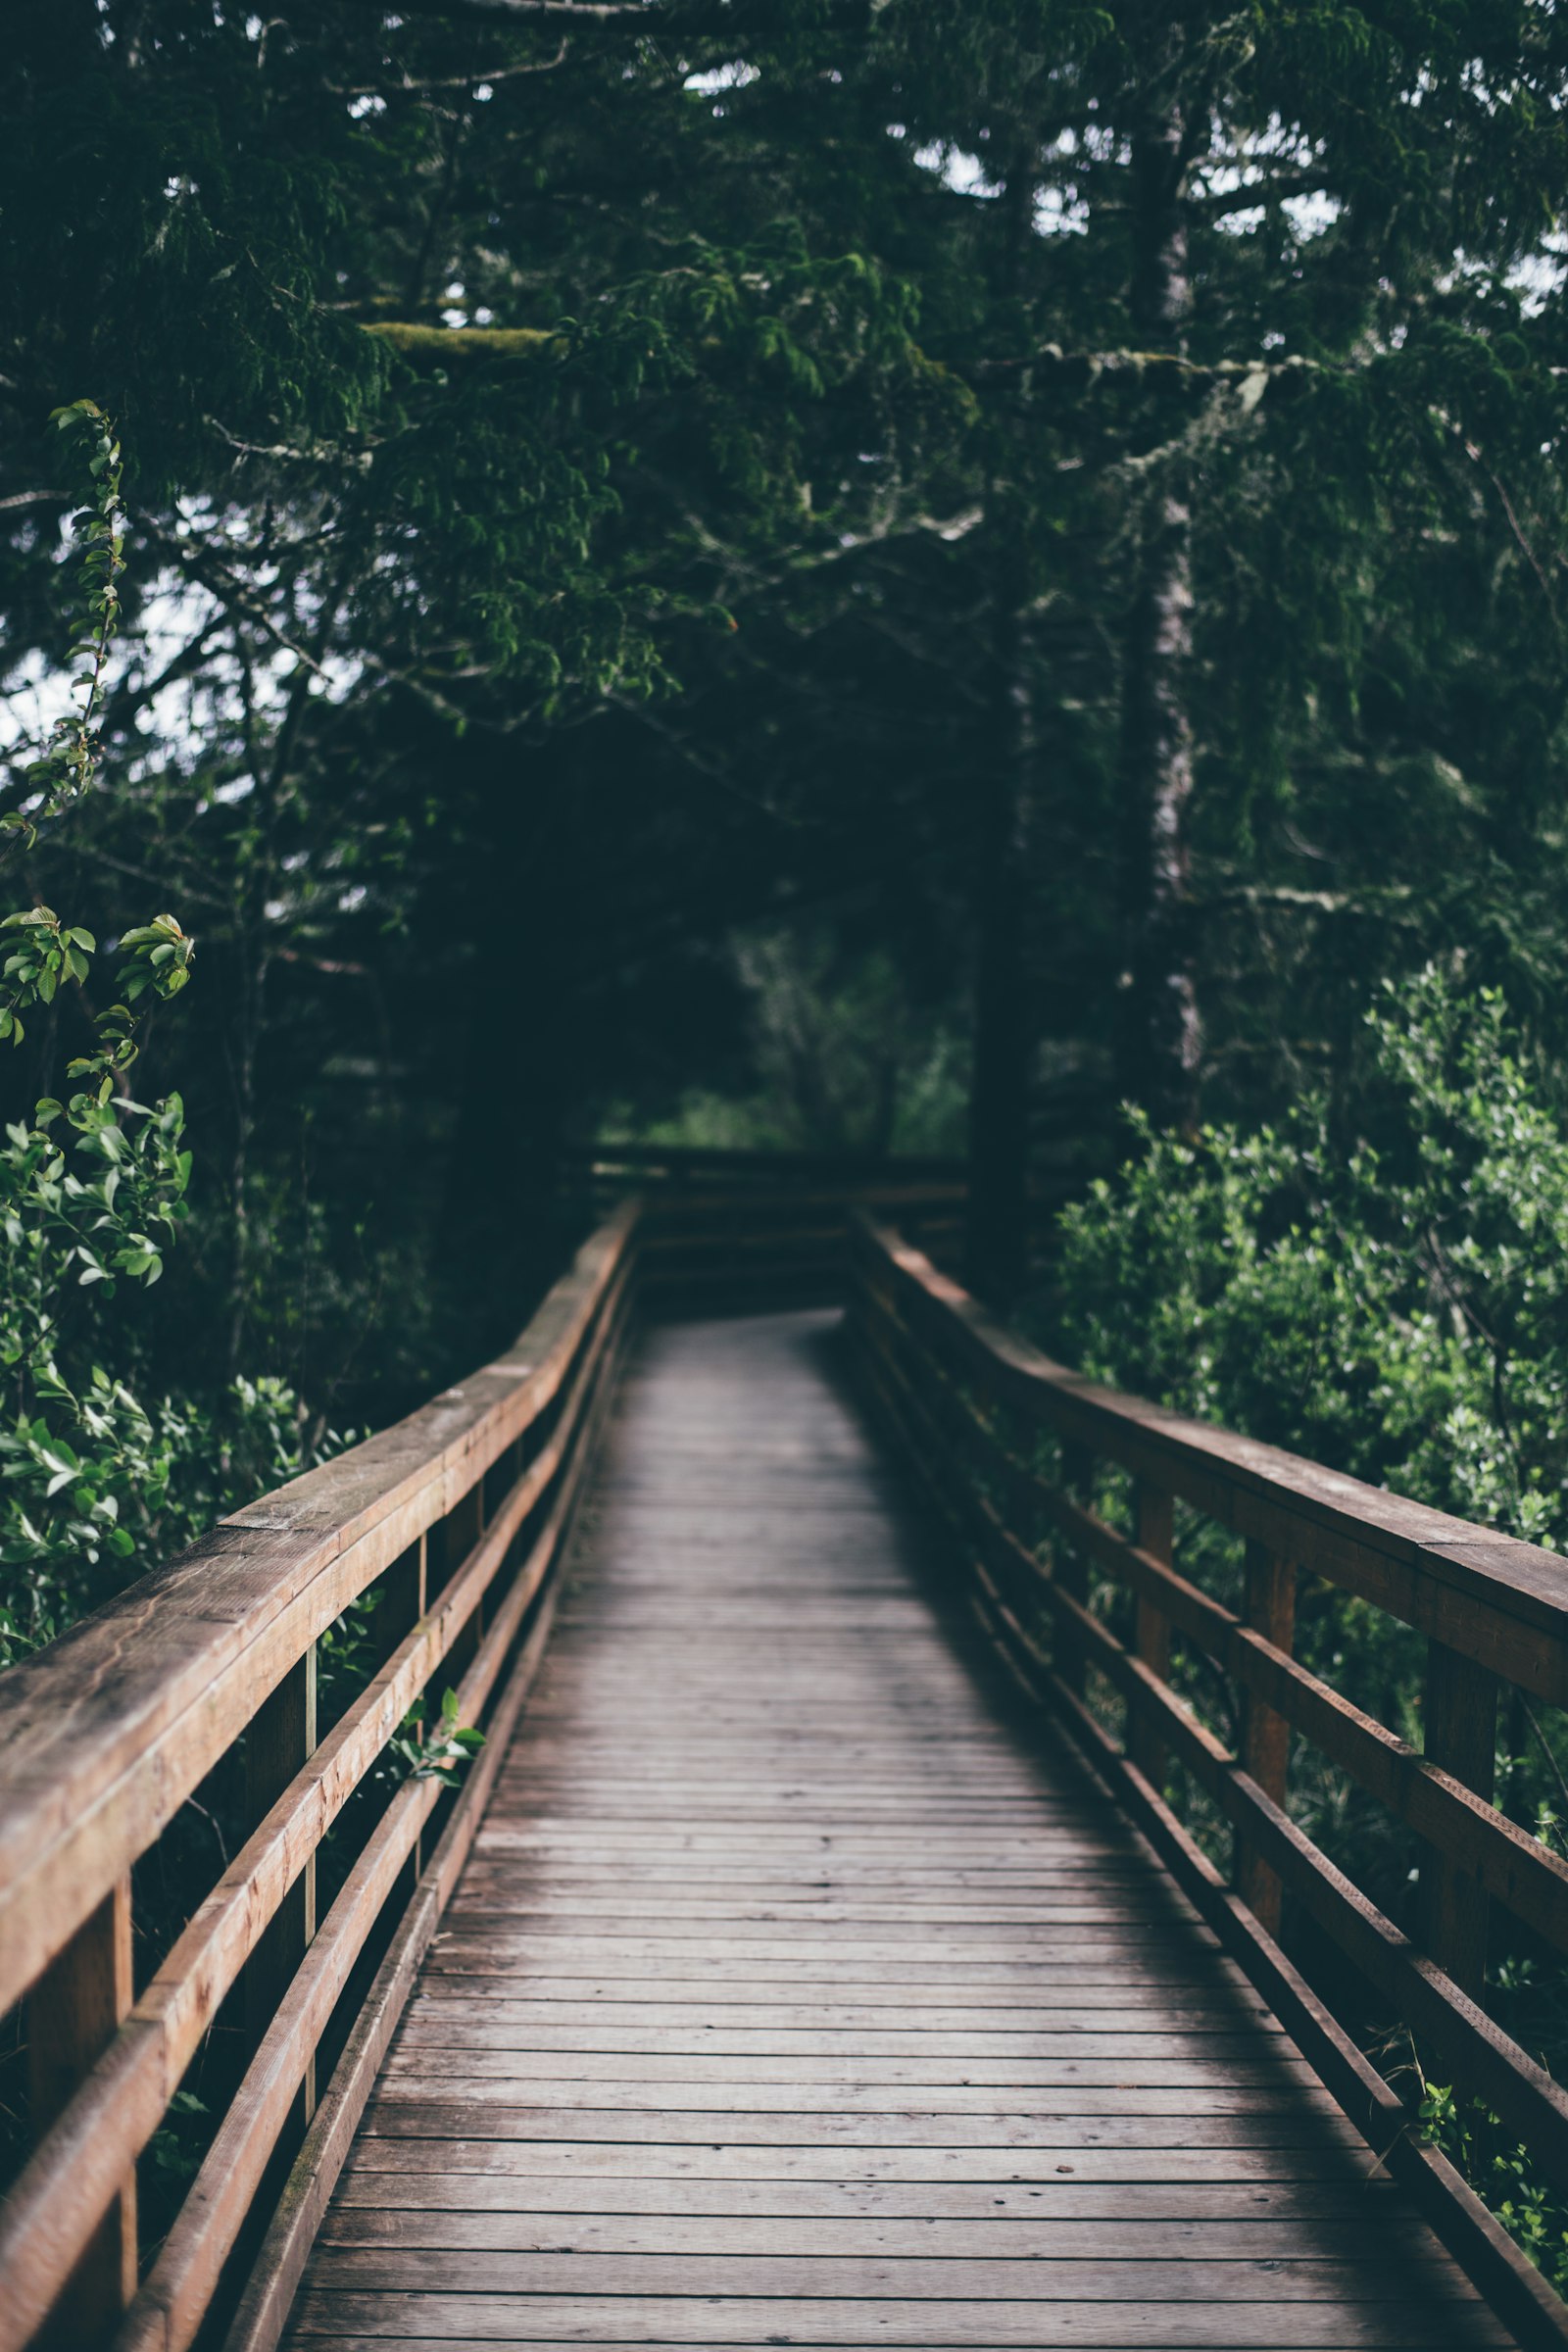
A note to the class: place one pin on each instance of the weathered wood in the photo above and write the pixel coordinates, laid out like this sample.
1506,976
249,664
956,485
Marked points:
1491,1597
1478,2055
1070,1563
278,1744
280,2265
1153,1516
259,1912
1461,1823
1462,1738
74,2172
704,2004
105,1734
73,2014
1269,1609
422,2322
169,2309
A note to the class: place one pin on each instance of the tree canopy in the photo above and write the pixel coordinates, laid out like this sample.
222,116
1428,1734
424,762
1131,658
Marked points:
661,541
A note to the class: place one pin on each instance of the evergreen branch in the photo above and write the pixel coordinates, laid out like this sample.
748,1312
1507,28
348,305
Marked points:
1169,363
1514,526
412,88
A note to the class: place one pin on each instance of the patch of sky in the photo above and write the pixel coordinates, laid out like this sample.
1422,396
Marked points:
965,174
1060,212
1539,277
1309,216
733,76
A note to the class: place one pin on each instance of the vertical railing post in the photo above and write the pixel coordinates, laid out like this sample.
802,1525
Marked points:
461,1531
1269,1608
403,1603
278,1744
73,2013
1154,1519
1070,1565
1462,1736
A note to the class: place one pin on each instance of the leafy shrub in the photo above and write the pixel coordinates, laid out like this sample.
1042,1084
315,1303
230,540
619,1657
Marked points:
1383,1288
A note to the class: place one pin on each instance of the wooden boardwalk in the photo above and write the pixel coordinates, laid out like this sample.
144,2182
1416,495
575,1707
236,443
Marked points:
792,1996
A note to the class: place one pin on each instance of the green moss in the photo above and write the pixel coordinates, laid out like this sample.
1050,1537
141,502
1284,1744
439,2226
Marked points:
466,342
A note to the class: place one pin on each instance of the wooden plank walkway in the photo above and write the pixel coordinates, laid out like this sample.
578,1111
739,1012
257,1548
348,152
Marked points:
791,1997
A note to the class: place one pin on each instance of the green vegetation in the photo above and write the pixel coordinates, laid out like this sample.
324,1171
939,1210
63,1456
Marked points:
1379,1283
866,579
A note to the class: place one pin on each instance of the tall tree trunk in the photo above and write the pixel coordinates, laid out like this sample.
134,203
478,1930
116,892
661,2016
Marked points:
1006,1028
1160,1040
502,1232
1005,1012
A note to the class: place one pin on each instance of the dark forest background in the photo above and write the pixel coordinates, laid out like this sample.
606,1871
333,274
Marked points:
863,578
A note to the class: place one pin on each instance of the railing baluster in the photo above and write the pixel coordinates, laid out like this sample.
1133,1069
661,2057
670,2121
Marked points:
1069,1565
460,1531
1461,1735
277,1745
1153,1514
404,1599
73,2011
1269,1608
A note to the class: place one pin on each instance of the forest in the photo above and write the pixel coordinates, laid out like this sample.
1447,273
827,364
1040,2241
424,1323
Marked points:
857,577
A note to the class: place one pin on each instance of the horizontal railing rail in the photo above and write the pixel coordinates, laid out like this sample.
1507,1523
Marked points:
970,1401
756,1245
728,1168
456,1520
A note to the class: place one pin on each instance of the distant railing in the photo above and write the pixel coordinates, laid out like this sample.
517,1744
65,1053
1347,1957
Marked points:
762,1227
457,1519
972,1404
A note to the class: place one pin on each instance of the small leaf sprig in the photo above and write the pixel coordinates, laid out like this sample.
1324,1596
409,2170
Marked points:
48,952
437,1751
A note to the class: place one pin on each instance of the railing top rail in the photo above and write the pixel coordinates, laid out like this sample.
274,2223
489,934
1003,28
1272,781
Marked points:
105,1734
746,1164
1499,1601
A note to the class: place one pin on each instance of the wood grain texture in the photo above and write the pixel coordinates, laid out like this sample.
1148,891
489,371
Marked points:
790,1996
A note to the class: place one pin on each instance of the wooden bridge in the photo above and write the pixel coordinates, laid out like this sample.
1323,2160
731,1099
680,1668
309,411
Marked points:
814,1952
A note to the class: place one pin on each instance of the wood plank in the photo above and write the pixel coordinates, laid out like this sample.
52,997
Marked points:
473,2196
832,2123
1146,2006
452,2024
873,2279
357,2319
1290,2155
667,2231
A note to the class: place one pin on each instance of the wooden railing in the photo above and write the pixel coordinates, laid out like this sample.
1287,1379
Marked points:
765,1228
456,1519
978,1412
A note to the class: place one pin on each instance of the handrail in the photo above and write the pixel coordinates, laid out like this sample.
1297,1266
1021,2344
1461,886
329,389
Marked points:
457,1517
968,1399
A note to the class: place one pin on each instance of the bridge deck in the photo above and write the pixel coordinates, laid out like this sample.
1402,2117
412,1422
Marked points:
789,1998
